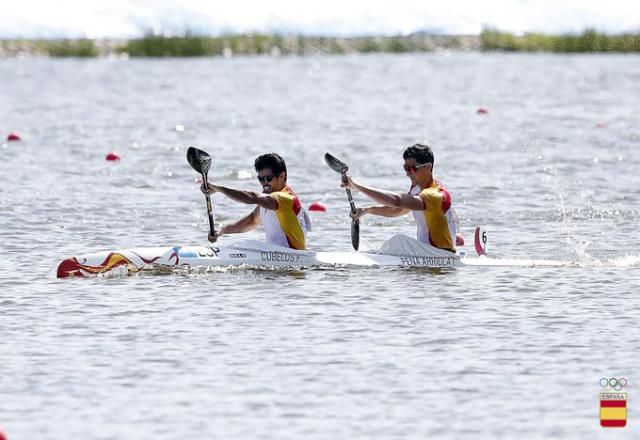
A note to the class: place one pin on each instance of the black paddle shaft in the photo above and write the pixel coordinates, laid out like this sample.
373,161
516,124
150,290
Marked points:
201,162
212,227
342,168
355,223
349,196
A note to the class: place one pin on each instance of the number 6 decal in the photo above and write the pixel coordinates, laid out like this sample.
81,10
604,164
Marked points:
480,241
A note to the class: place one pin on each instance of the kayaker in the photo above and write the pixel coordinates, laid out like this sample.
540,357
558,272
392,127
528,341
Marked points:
278,207
428,200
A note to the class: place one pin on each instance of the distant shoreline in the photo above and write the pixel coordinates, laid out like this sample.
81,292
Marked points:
191,45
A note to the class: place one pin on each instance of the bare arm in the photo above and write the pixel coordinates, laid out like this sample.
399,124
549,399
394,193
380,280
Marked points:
381,210
246,197
404,201
245,224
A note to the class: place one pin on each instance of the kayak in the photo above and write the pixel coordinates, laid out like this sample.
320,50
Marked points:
400,251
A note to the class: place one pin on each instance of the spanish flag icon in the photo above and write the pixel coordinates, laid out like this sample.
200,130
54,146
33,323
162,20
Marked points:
613,410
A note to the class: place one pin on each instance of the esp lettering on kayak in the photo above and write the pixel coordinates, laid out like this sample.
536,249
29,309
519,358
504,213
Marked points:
210,252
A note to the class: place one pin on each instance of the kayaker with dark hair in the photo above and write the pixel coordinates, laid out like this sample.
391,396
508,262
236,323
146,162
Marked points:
427,200
278,207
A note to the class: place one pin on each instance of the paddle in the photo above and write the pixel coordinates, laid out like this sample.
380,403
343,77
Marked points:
201,162
342,168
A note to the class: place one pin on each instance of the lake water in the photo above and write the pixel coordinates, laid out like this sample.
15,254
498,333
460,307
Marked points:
478,352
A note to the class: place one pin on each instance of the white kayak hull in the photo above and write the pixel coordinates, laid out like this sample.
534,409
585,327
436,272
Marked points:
250,253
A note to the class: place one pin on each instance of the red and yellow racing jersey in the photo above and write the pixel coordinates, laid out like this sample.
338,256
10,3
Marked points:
285,226
433,225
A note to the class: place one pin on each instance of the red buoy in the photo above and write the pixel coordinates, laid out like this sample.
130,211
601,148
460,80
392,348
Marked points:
601,125
13,137
317,206
459,240
2,435
483,110
113,156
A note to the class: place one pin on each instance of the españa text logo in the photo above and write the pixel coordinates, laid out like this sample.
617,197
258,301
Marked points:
613,403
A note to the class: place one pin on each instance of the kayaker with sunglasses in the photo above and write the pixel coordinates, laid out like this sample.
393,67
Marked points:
278,207
427,200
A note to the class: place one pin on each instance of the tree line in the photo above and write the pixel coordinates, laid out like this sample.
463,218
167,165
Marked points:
193,45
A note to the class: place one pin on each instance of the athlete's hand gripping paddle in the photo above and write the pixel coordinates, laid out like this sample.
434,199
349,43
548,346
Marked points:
201,162
342,168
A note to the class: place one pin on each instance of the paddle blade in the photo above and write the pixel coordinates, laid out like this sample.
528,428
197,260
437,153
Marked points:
199,160
355,234
335,164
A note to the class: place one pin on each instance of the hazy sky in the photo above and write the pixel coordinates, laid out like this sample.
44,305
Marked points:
125,18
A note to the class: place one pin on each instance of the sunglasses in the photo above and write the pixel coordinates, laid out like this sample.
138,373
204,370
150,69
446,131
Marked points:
266,179
412,169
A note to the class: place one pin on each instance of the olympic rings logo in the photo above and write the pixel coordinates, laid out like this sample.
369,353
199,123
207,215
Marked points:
616,384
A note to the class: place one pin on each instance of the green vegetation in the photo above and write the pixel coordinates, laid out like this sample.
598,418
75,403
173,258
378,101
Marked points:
160,46
53,48
588,41
153,45
70,48
194,45
397,45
